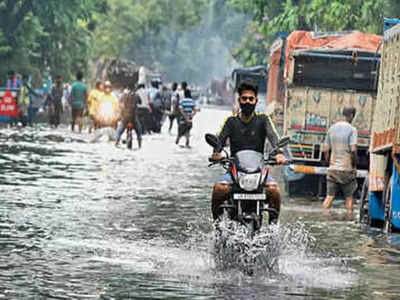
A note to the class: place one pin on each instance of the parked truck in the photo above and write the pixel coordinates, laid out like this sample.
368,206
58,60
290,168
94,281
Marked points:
322,73
257,74
380,201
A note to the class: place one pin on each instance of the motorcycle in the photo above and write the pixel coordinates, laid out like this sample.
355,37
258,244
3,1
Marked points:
106,114
249,170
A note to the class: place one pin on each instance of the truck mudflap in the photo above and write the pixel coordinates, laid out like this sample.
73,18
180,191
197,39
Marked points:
321,170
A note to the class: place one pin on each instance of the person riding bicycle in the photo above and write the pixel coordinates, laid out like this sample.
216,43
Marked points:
130,101
246,130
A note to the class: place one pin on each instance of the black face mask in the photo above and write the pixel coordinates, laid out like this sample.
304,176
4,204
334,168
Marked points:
247,108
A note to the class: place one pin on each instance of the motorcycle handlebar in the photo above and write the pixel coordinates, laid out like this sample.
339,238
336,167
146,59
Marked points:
270,162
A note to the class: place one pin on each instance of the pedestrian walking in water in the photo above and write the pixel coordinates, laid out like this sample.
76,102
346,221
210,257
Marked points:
54,101
174,109
77,100
340,149
24,101
156,104
144,109
187,109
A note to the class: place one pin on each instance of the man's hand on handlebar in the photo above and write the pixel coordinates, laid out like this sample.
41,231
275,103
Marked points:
216,156
280,159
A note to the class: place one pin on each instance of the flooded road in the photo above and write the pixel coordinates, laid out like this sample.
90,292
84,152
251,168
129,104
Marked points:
82,220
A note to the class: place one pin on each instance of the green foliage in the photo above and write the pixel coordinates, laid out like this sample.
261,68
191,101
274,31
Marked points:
186,39
41,35
320,15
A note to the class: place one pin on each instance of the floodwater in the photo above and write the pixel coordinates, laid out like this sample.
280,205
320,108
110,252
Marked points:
82,220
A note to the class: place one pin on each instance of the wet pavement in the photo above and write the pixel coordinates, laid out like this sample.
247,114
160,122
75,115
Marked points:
82,220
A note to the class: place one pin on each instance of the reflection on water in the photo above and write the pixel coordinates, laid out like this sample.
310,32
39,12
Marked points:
89,221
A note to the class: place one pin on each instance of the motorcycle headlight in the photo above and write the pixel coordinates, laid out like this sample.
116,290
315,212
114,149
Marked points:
249,182
106,110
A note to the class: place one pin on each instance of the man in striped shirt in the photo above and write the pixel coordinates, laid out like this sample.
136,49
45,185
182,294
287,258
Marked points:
187,109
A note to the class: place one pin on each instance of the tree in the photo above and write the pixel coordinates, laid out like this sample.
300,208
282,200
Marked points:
39,35
321,15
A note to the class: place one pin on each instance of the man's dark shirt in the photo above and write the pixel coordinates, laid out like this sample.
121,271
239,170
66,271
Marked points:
56,95
130,102
248,136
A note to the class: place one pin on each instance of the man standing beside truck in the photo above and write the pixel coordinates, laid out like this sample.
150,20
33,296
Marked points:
340,150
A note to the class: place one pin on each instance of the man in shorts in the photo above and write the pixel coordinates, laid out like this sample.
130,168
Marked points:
187,110
77,101
340,150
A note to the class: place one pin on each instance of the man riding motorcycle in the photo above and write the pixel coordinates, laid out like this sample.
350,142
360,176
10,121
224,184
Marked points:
246,130
108,110
129,102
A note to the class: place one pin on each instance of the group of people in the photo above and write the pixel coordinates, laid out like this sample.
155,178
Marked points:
101,105
137,107
31,101
143,108
26,92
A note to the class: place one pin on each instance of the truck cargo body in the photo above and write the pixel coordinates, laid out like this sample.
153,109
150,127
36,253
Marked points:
381,204
319,82
309,112
258,75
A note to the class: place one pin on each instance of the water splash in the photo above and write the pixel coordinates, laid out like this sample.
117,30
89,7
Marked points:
237,247
288,254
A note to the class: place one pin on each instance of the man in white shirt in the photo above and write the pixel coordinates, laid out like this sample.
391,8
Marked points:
340,150
143,110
